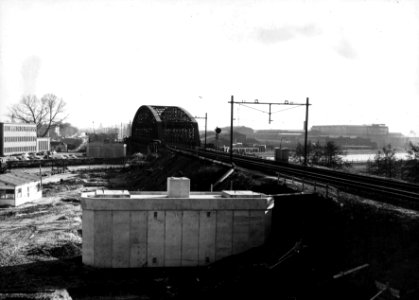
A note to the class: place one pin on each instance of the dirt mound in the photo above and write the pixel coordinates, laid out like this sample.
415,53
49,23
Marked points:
153,177
67,250
70,200
27,212
44,295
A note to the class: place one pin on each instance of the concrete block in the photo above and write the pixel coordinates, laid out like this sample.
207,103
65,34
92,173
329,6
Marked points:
173,241
268,223
88,244
207,228
155,238
155,229
240,194
162,202
103,233
224,234
256,228
178,187
190,236
240,231
138,239
121,239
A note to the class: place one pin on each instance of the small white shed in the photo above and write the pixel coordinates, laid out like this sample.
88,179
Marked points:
19,187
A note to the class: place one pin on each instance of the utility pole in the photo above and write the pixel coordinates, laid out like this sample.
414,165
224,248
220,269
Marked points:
205,139
231,128
306,132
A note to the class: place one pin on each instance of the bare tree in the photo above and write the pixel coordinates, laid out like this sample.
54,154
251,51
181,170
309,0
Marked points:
45,112
410,170
385,163
328,155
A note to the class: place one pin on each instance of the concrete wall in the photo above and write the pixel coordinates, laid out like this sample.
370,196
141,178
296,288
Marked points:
152,230
106,150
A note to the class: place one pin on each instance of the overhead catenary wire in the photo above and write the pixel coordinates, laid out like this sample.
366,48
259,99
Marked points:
259,110
267,112
285,109
286,102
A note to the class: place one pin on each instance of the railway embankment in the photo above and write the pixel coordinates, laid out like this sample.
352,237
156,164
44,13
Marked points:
319,247
341,247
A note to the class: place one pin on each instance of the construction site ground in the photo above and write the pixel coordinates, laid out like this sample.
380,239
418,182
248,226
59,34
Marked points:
314,239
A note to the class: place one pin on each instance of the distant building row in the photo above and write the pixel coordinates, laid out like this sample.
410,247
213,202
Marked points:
347,136
358,136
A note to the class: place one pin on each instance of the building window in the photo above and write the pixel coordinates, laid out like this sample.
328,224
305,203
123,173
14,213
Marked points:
28,191
19,192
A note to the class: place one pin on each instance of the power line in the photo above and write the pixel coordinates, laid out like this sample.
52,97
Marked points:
285,109
262,111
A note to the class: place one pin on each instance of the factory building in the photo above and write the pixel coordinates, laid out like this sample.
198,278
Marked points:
18,138
374,130
358,136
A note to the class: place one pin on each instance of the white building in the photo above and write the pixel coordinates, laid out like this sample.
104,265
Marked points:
18,187
19,138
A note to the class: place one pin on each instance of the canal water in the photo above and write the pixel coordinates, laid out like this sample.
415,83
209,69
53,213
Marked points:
364,157
360,157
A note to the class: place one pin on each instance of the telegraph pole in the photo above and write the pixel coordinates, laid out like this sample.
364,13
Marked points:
205,140
231,128
306,132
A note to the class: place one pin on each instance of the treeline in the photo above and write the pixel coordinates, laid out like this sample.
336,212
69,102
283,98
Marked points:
328,155
386,164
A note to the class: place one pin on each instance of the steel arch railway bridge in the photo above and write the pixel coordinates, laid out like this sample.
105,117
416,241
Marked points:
165,124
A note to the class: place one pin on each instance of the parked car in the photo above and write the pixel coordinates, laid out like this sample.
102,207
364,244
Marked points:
12,158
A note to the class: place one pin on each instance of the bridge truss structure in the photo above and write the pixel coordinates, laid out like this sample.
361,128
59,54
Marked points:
165,124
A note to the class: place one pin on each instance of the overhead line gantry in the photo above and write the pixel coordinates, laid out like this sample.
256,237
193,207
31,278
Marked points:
256,102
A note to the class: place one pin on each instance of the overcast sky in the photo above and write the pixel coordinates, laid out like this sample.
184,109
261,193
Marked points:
357,61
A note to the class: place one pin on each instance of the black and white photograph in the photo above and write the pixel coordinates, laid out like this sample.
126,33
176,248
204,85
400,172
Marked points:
212,149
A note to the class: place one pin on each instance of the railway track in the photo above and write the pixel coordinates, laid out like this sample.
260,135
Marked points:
382,189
